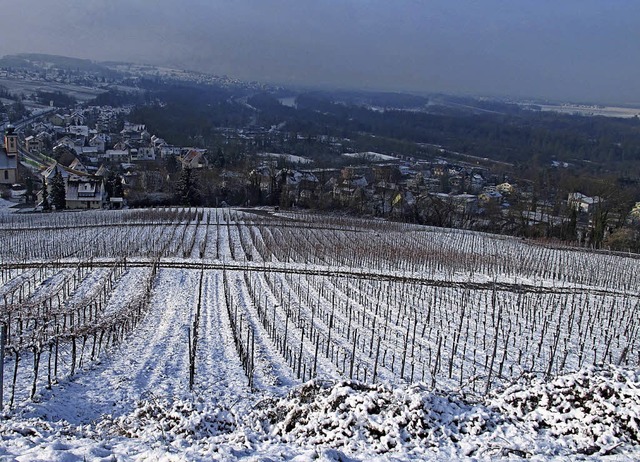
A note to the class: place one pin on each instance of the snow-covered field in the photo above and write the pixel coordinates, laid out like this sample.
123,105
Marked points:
291,158
585,110
31,87
220,334
370,156
5,206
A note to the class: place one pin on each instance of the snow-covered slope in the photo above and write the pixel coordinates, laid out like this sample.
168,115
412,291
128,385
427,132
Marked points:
219,334
593,413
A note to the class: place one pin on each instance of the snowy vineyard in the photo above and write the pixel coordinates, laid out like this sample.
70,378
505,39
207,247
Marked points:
231,304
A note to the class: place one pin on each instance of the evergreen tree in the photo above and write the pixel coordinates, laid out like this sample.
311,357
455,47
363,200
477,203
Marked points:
30,193
187,188
58,193
600,220
113,185
573,224
118,189
171,164
45,197
219,161
108,184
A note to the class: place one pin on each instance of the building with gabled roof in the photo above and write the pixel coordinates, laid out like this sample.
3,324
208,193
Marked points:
82,190
33,144
194,158
9,157
583,203
78,166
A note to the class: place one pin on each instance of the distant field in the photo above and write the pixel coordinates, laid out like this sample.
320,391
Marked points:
606,111
287,157
370,156
29,87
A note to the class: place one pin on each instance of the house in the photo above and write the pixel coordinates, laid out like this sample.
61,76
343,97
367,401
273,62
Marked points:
143,153
66,157
78,166
65,141
506,189
33,144
58,120
490,196
194,158
133,128
122,146
465,203
295,177
157,141
75,118
477,182
115,155
41,127
99,141
88,151
135,132
169,151
102,171
82,190
634,215
583,203
9,157
78,130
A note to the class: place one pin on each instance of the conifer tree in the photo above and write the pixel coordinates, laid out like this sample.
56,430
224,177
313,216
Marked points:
58,193
45,197
187,188
118,189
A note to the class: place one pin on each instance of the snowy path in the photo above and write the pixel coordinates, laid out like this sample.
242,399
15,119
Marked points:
219,373
153,361
271,369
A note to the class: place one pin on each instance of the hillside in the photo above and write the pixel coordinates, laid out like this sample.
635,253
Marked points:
221,334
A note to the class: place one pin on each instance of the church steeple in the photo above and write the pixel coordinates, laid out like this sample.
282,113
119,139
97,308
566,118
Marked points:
11,141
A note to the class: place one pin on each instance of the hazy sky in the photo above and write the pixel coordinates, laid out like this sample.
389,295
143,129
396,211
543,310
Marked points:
569,49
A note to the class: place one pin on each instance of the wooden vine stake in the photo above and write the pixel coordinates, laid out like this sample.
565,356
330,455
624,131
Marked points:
3,341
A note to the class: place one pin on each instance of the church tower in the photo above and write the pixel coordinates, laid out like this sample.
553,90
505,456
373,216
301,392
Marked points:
11,141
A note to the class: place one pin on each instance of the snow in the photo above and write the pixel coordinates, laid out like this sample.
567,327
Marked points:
289,101
287,157
346,420
338,299
370,156
6,206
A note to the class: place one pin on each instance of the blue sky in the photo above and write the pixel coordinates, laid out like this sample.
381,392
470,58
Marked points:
583,50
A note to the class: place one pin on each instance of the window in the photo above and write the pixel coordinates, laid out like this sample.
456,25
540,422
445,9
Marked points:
6,174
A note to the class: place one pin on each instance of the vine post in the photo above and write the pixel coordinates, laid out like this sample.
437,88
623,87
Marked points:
3,341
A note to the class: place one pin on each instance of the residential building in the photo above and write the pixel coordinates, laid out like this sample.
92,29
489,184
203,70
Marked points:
9,157
33,144
82,190
194,158
583,203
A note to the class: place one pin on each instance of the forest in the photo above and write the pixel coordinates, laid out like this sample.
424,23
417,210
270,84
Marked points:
496,130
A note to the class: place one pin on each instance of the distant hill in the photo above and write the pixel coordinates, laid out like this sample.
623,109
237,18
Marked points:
45,61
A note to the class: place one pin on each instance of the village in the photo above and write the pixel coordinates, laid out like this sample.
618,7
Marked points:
73,153
107,161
